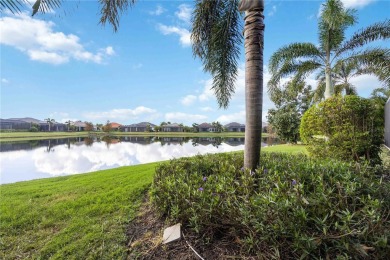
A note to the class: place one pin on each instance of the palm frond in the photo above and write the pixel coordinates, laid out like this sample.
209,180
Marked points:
300,69
294,51
334,19
206,15
14,6
377,31
373,61
45,6
111,10
217,36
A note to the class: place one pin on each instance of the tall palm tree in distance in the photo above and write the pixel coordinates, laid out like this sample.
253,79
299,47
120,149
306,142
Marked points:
216,38
50,121
301,59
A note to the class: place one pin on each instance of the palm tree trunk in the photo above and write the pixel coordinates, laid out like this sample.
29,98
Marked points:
329,90
254,44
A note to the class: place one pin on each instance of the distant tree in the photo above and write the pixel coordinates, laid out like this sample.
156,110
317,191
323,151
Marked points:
88,126
379,98
99,127
218,127
195,127
68,124
157,128
107,127
50,121
291,102
187,129
88,141
148,128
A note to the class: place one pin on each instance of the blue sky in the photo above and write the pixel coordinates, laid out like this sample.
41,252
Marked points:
64,65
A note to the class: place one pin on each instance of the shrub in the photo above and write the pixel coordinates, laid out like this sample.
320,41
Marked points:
292,206
344,128
33,129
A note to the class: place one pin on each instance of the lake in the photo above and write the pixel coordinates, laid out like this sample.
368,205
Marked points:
35,159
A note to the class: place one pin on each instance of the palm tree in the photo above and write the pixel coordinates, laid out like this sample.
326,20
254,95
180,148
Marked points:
50,121
216,37
217,125
68,124
301,59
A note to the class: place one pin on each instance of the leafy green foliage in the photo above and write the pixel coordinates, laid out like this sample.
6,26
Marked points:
33,129
345,128
290,207
291,102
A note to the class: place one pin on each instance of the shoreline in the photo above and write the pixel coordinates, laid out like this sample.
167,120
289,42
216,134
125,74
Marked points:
19,136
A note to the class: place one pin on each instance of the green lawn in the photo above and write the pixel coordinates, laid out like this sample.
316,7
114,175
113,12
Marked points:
286,148
74,217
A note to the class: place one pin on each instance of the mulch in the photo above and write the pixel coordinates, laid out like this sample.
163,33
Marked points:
145,233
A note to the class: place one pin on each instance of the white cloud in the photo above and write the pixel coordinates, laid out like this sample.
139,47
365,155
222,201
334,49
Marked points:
137,66
185,35
110,51
365,84
273,11
239,92
356,3
235,117
48,57
120,114
40,42
188,100
207,93
158,11
4,81
184,13
183,117
207,109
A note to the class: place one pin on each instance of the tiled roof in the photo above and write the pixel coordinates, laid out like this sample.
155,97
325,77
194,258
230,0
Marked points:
79,124
234,124
115,125
29,120
205,125
142,124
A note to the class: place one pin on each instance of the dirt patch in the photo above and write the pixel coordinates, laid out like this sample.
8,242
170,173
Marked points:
145,241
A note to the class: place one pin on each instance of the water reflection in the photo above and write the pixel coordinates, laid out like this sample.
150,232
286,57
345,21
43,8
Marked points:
26,160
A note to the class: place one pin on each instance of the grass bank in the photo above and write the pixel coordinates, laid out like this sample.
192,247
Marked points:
74,217
286,148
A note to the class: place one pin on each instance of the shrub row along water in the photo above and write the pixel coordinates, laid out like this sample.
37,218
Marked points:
292,206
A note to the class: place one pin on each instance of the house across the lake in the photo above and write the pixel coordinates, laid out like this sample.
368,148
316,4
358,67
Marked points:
26,124
140,127
172,128
235,127
14,124
206,127
115,126
80,126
